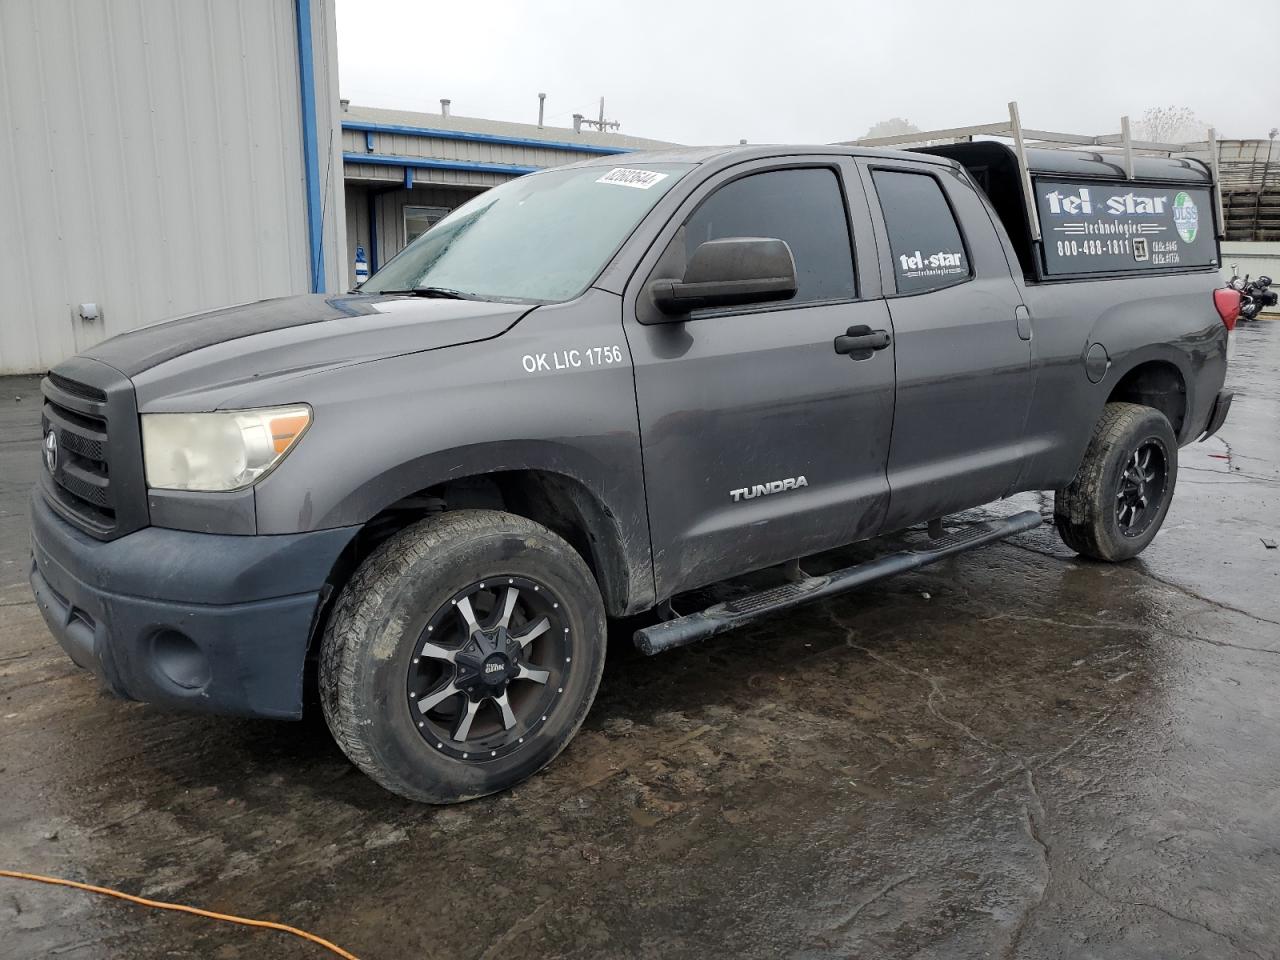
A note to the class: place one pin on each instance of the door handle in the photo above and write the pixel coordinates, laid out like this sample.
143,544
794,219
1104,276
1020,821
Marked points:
861,342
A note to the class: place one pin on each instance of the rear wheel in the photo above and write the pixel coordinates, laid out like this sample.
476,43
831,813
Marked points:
1119,497
462,656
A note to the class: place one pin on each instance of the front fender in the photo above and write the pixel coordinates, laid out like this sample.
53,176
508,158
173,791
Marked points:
617,536
387,429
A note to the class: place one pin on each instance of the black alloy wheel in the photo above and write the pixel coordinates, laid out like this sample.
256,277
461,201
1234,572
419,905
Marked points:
1141,490
488,668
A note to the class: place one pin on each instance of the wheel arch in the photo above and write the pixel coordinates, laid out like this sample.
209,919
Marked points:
545,483
562,504
1160,382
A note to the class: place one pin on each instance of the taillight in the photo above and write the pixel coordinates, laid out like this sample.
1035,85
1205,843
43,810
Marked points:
1228,303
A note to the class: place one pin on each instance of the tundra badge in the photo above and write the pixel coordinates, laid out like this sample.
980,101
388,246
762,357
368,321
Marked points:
764,489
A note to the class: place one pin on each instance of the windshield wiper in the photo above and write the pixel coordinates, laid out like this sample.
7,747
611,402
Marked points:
436,293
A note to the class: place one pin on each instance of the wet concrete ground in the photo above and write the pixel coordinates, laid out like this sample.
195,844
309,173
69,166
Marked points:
1012,754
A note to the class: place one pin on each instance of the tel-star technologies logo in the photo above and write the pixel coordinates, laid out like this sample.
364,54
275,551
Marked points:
1185,216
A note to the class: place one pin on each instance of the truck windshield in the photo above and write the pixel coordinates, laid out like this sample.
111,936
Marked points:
542,237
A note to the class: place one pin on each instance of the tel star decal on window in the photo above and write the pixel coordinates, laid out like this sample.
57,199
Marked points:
1109,228
942,263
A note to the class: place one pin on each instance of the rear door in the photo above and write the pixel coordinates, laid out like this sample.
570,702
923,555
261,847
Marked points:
963,343
760,441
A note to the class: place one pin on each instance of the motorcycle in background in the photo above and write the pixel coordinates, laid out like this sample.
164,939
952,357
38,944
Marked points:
1255,295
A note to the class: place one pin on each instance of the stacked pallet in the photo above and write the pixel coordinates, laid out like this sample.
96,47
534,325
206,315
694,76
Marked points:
1250,183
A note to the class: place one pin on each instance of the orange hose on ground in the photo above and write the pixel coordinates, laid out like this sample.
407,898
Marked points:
182,908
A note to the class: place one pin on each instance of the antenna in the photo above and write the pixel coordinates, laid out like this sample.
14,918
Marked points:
601,124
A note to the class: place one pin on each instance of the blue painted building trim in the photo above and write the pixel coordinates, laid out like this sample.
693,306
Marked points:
427,163
469,137
310,145
371,210
408,178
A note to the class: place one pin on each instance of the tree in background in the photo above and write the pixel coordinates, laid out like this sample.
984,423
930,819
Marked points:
893,127
1171,125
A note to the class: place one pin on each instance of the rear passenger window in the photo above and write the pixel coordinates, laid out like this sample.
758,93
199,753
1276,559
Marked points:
803,207
924,239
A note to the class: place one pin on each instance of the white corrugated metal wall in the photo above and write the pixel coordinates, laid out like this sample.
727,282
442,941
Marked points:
151,163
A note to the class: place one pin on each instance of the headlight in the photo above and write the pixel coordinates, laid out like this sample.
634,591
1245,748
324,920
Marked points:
218,451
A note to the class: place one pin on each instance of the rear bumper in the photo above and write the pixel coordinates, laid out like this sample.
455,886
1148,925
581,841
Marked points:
1218,415
198,621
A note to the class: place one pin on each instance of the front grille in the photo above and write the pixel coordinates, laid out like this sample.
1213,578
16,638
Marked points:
78,389
81,472
90,439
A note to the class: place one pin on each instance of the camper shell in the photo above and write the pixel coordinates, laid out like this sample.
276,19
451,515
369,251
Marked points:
1121,208
1147,207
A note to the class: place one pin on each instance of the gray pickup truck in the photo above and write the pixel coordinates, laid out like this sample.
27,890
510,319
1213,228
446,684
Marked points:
598,387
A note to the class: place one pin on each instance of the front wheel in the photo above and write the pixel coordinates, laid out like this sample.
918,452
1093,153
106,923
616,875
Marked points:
1118,499
462,656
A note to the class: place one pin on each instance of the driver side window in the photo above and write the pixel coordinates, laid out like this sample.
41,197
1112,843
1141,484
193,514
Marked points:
804,207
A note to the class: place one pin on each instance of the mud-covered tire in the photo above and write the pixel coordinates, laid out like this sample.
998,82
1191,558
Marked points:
1086,511
375,629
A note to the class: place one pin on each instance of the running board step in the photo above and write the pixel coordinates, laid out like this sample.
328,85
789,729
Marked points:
732,614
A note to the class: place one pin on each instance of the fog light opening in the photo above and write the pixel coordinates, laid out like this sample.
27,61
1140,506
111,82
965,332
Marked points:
180,660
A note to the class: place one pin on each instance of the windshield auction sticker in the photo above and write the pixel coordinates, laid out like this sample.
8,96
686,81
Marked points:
1095,227
629,177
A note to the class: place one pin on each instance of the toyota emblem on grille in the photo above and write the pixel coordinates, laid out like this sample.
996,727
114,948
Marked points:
51,451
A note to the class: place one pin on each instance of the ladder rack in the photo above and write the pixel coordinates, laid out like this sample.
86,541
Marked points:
1012,129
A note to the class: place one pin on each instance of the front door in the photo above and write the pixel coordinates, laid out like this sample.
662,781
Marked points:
761,442
963,344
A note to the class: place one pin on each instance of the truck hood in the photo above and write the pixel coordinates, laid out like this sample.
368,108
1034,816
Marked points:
215,354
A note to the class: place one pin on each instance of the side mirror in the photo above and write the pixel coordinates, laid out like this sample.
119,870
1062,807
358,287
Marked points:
729,272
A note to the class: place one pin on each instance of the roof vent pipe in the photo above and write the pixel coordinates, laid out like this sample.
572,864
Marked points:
345,104
444,107
542,105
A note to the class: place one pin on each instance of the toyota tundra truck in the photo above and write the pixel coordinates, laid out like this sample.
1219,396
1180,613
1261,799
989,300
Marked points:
597,388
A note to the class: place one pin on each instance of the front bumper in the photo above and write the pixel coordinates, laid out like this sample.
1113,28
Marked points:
192,620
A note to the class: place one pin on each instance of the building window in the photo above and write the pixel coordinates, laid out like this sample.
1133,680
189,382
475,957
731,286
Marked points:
924,238
418,220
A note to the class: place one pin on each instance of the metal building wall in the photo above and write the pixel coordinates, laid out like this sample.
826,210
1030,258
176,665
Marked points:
151,163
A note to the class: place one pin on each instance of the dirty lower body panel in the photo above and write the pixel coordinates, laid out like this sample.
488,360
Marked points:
187,620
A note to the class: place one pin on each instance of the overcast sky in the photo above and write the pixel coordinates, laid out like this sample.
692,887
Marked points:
805,71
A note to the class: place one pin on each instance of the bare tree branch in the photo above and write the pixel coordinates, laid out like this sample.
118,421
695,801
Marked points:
893,127
1170,125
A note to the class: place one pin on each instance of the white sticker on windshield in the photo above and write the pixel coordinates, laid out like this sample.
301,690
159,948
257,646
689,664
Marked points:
629,177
